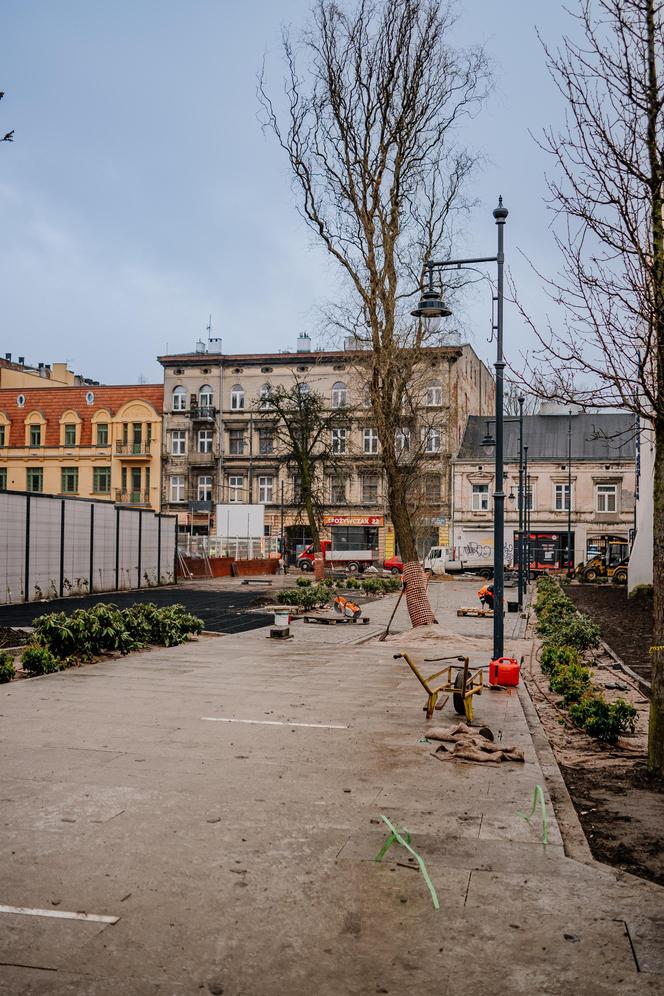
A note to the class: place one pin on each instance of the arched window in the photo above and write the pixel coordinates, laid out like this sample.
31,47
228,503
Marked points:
339,395
179,399
304,388
434,395
265,395
206,397
237,398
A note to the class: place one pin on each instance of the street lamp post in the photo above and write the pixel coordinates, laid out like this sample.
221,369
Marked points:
526,519
431,305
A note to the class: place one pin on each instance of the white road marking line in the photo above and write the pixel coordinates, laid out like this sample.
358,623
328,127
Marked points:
272,722
59,914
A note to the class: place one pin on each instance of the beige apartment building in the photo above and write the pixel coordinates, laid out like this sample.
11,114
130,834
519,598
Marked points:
603,474
219,450
19,374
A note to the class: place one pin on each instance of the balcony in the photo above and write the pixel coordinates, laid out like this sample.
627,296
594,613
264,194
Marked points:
204,414
136,451
197,459
134,498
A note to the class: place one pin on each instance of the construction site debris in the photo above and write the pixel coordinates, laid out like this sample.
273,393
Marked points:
468,744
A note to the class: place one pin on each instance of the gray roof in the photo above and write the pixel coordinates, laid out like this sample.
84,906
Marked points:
603,437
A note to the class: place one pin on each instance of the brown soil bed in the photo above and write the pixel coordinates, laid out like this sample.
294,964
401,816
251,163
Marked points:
12,637
626,623
620,807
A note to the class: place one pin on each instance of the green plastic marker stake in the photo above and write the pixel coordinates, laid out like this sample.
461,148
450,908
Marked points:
538,794
396,838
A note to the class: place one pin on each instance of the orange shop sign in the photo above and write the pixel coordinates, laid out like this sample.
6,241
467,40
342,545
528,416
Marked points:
353,520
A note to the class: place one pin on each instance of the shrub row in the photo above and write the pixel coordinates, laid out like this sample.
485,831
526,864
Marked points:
62,639
7,669
565,634
369,585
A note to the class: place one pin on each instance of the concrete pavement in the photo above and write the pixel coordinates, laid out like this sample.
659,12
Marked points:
238,856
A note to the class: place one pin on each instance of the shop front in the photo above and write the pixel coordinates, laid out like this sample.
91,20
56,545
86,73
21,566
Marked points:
356,532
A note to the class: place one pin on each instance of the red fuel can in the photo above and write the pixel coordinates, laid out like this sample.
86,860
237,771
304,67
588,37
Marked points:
504,671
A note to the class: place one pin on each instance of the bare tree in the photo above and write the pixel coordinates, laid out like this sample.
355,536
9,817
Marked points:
514,391
373,100
302,425
8,136
607,195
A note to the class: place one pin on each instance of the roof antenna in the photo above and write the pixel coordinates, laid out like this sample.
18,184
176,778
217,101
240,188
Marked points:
208,328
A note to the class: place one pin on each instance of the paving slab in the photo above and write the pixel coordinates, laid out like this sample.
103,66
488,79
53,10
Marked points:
239,857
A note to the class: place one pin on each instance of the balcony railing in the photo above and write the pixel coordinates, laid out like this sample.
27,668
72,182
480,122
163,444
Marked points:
132,497
133,449
198,459
206,413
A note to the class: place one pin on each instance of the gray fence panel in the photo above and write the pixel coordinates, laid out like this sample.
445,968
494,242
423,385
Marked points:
44,561
168,544
12,547
128,561
103,565
149,546
76,560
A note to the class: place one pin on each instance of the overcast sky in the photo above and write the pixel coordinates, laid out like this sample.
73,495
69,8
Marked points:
140,194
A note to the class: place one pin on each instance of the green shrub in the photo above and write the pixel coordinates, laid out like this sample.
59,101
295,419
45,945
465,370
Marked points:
641,591
553,656
580,632
7,669
37,659
303,582
602,720
572,681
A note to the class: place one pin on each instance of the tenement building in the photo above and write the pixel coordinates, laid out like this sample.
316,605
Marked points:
580,478
88,441
220,450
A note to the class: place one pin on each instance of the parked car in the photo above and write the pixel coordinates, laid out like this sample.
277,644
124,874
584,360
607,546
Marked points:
393,564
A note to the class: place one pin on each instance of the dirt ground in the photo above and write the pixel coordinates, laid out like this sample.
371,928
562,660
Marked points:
621,808
626,623
12,637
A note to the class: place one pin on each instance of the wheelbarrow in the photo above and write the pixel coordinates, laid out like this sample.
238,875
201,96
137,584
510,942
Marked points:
462,686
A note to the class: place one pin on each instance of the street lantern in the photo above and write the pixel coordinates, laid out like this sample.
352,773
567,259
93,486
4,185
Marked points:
431,304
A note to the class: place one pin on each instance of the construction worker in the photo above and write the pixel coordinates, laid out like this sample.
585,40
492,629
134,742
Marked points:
485,595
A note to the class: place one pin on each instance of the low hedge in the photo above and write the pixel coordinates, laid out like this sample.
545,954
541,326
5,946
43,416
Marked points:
7,669
309,595
565,634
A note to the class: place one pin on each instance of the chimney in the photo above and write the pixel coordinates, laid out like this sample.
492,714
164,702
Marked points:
200,346
8,357
303,343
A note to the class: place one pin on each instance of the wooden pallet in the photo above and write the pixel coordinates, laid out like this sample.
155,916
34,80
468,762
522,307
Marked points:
476,613
333,620
256,581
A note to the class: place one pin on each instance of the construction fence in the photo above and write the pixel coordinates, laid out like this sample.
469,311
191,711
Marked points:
51,547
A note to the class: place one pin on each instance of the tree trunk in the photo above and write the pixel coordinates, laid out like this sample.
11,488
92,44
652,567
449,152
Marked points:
656,721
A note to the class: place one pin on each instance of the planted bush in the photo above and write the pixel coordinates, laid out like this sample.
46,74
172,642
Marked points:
7,669
572,681
553,656
603,720
37,660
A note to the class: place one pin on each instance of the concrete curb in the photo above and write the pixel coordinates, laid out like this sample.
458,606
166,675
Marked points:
575,843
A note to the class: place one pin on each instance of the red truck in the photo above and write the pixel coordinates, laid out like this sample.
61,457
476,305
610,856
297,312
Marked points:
352,560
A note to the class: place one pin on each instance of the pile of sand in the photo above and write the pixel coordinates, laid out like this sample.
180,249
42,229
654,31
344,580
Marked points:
435,634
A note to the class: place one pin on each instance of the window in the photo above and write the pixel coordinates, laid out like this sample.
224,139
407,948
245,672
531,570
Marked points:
432,487
434,395
178,442
431,439
339,395
125,433
205,488
102,434
34,479
265,441
70,435
206,397
69,480
237,398
3,435
265,396
337,491
370,489
607,495
236,442
561,498
528,492
370,441
35,435
137,437
297,488
205,441
402,440
338,440
101,480
304,388
177,487
179,399
236,488
480,500
265,489
3,478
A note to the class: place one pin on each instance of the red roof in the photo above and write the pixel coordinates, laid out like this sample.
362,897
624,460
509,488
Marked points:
53,402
